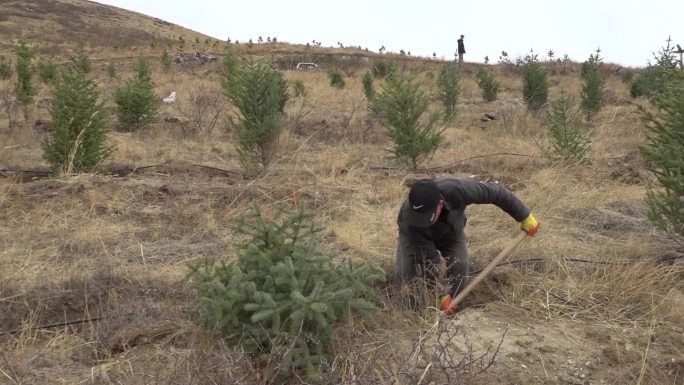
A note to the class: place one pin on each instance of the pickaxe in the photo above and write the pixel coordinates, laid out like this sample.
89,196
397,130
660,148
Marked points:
503,254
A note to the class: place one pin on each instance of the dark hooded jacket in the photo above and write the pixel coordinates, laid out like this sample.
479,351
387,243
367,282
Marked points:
458,194
461,47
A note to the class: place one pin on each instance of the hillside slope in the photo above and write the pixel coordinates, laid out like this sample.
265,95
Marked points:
59,26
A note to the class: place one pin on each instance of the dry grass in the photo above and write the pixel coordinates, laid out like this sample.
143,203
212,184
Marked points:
593,303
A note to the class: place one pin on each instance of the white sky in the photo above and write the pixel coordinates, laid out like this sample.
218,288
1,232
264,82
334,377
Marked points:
627,31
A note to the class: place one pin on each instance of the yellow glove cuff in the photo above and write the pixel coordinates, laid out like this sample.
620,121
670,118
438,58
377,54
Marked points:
529,223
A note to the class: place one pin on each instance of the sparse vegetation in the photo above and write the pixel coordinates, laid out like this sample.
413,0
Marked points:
47,71
593,85
5,68
535,88
488,85
429,75
504,59
664,151
78,142
203,110
568,138
368,85
111,70
81,61
641,85
384,69
336,78
24,88
449,82
299,88
259,92
652,78
403,104
286,317
136,102
166,60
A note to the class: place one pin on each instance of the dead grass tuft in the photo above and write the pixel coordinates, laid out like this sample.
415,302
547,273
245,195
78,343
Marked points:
617,292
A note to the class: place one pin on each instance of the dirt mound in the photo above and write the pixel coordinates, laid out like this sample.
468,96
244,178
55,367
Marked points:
628,169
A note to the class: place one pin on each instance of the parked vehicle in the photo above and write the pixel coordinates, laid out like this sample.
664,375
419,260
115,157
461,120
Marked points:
307,66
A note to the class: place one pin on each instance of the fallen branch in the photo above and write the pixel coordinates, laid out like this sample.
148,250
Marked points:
450,165
28,175
55,325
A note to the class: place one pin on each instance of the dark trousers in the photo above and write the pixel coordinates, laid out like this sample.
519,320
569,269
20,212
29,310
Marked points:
453,248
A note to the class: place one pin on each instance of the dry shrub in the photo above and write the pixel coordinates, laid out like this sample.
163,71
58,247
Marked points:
515,119
203,110
404,347
348,123
298,108
437,353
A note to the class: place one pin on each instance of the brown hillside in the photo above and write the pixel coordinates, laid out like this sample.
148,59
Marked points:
58,27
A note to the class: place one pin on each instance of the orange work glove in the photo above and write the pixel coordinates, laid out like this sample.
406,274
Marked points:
530,225
444,303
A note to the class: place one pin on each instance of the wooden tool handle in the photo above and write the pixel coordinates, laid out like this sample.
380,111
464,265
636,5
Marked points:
503,254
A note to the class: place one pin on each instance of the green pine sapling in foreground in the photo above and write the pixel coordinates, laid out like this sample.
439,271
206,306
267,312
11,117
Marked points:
663,150
282,297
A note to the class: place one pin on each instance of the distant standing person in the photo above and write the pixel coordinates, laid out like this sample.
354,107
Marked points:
461,49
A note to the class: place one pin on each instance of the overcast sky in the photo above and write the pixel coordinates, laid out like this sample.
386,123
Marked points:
626,31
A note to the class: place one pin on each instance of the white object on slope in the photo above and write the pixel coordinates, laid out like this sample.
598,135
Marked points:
170,99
